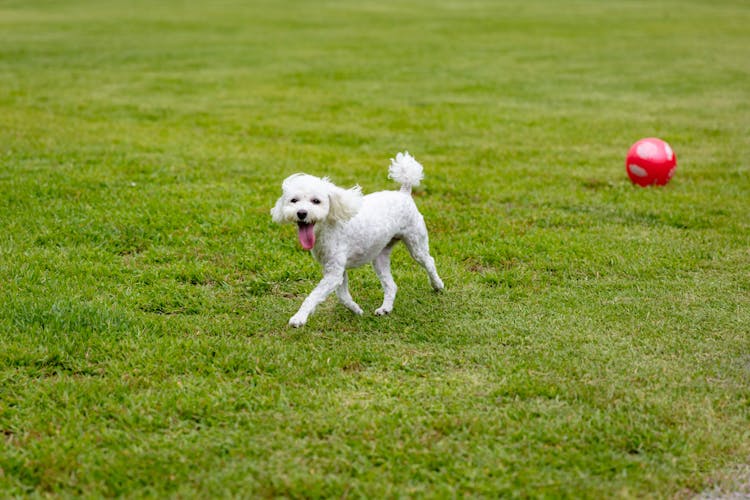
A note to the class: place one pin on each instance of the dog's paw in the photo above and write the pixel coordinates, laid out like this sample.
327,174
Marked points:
438,285
353,307
382,311
297,320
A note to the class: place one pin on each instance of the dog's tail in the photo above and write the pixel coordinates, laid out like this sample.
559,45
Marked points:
406,171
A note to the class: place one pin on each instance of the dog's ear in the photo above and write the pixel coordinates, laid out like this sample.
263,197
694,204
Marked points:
344,203
277,214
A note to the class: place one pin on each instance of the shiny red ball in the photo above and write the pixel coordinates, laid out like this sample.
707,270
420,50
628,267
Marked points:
650,161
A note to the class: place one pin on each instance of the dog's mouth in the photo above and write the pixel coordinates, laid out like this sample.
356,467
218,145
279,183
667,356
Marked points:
306,233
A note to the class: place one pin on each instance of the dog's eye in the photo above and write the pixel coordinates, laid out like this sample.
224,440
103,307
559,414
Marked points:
315,201
294,200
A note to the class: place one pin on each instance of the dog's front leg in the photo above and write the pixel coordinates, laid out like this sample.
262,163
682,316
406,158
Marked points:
332,279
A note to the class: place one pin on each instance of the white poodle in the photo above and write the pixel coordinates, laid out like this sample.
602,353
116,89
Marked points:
345,229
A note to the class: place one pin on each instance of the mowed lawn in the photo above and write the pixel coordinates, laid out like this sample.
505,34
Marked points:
593,340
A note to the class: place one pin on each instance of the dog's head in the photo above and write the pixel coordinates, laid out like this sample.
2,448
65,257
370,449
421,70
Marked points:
307,200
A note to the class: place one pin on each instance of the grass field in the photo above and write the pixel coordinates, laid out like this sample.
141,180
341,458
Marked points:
593,339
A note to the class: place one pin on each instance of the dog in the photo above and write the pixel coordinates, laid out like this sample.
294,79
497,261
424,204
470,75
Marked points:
345,230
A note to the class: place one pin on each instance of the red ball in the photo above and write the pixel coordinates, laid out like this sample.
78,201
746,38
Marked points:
650,161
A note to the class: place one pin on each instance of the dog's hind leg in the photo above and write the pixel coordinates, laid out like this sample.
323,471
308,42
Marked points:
419,248
382,266
346,298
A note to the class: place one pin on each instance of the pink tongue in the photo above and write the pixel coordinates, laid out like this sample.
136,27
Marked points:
307,236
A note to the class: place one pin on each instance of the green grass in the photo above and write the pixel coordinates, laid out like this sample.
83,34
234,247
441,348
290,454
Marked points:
592,340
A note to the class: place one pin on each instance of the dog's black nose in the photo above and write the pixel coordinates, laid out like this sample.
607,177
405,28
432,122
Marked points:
301,214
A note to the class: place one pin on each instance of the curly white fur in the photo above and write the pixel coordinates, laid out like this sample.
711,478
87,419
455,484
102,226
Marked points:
406,171
345,229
